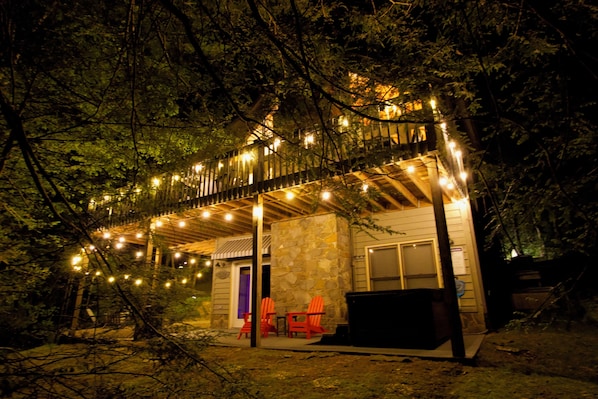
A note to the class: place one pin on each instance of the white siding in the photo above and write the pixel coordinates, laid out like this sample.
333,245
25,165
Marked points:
415,225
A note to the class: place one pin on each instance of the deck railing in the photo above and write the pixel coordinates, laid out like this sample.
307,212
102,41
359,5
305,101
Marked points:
268,165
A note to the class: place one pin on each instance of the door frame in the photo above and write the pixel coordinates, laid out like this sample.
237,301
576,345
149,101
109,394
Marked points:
236,267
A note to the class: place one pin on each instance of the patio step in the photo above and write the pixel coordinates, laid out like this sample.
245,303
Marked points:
340,336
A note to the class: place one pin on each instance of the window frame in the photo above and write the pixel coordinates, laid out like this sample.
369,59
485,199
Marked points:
401,276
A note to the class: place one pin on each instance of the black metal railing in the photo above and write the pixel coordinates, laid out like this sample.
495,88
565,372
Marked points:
269,165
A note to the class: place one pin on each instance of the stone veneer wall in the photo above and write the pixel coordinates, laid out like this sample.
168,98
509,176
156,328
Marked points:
312,256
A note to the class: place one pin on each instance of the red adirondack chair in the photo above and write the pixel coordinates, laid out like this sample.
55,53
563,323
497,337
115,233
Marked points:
307,322
267,319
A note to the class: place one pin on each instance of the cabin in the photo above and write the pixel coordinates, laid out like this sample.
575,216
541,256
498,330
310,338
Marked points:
359,205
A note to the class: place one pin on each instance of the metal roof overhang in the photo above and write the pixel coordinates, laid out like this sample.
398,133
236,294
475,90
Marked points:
241,248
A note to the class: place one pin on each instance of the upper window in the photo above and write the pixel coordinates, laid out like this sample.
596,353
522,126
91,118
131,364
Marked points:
403,266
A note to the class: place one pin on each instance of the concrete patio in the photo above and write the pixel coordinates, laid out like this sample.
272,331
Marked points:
282,342
444,351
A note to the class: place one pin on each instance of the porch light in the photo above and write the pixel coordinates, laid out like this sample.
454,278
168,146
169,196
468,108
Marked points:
205,214
182,223
121,239
138,235
199,275
326,195
192,261
258,211
138,282
184,281
228,217
289,195
177,255
198,168
111,279
159,223
410,169
208,263
155,182
106,235
138,254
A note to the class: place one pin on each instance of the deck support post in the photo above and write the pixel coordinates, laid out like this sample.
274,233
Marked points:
256,263
446,262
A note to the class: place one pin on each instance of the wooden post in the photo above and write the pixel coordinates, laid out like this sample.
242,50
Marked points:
256,262
446,262
78,303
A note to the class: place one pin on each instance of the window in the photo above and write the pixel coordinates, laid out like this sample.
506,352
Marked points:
403,266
